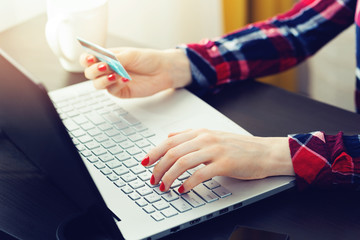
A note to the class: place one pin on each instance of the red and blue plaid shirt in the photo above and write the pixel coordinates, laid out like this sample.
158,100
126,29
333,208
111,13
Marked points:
275,45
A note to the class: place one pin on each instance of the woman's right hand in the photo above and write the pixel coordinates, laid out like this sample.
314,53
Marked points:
151,71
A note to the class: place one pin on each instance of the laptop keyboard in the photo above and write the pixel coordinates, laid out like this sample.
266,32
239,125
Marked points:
115,142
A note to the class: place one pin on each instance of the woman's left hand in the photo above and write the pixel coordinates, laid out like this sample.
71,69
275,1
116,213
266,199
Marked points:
222,153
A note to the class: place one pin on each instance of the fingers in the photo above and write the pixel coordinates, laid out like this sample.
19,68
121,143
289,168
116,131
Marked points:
199,176
185,163
87,60
180,152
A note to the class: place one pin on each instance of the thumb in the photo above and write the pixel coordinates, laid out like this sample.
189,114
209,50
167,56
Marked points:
126,56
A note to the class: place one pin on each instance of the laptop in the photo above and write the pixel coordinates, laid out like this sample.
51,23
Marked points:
91,144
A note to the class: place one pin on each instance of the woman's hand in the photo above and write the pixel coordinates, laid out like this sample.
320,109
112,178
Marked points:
223,154
151,71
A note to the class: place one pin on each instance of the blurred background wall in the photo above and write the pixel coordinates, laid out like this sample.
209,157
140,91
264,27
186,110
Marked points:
327,77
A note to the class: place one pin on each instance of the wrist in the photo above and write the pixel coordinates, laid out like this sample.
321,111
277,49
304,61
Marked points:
280,163
179,71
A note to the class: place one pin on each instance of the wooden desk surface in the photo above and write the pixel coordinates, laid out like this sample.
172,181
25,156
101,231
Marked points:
261,109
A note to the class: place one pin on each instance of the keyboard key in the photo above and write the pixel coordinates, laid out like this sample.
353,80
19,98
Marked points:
131,120
86,153
141,202
149,209
157,216
138,169
99,165
181,205
108,144
106,157
126,144
127,189
121,170
193,199
79,120
119,138
211,184
160,205
94,132
112,177
98,151
153,197
136,184
115,150
121,125
87,126
184,176
92,145
101,138
134,196
140,127
140,156
112,132
147,134
128,131
105,126
95,118
113,164
106,171
176,184
93,159
142,143
119,183
205,193
123,156
169,212
135,137
144,191
170,196
128,177
130,163
222,192
78,133
85,139
134,150
145,176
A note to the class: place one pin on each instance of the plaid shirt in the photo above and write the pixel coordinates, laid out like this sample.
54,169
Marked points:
275,45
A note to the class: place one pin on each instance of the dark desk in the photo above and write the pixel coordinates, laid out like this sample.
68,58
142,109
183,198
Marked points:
261,109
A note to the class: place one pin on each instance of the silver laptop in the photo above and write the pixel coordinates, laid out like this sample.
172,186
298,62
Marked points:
113,135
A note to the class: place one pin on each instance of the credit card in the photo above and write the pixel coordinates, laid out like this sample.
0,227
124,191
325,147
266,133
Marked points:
104,55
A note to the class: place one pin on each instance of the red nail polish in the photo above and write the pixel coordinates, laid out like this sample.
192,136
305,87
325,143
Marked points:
90,59
152,180
145,161
102,67
111,77
162,187
124,79
181,189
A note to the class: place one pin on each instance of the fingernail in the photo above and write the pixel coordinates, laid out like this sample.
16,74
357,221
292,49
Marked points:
111,77
181,189
90,59
152,180
102,67
162,187
124,79
145,161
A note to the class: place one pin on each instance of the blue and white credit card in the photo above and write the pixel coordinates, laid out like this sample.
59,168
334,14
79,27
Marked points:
106,56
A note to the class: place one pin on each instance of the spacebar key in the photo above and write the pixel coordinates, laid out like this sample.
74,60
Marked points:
181,205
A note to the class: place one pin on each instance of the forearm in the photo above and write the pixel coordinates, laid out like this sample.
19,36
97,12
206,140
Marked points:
270,46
